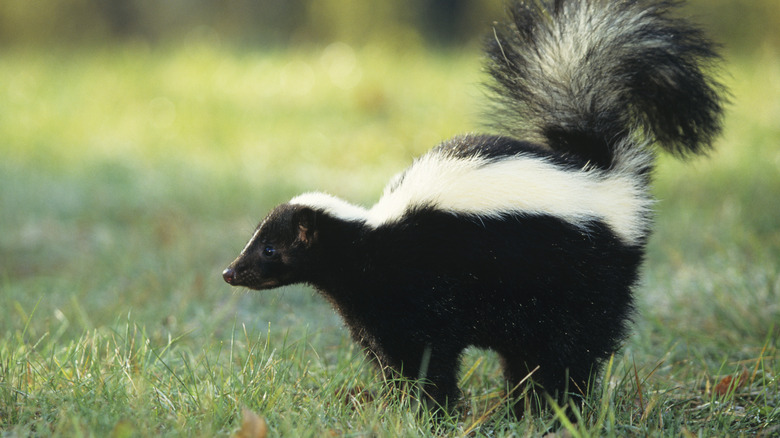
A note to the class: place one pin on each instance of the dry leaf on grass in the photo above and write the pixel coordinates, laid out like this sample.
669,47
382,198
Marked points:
727,384
252,426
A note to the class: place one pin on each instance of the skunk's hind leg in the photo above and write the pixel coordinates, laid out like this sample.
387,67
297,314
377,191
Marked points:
435,367
531,382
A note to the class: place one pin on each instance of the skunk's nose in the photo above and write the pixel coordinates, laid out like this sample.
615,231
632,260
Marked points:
229,275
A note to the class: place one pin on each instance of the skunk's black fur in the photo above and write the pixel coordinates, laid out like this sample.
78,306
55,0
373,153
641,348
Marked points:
527,244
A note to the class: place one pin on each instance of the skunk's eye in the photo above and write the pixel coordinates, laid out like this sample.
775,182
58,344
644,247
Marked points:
269,251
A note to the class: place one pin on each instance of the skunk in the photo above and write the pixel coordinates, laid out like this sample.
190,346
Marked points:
527,243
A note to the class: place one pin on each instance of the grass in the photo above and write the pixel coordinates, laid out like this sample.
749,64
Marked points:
131,176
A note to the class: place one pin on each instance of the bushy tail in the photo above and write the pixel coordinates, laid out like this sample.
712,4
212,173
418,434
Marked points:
589,77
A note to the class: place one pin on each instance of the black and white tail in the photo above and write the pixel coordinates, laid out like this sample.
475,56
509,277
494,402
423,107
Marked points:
603,80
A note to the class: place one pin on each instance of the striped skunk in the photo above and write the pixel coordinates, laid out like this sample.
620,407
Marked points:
528,243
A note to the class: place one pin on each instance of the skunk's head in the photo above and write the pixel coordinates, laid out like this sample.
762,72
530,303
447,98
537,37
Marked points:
278,252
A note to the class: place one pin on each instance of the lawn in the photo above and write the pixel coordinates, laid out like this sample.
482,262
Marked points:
130,176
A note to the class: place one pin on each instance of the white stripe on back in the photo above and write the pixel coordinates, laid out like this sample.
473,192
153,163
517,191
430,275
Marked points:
493,188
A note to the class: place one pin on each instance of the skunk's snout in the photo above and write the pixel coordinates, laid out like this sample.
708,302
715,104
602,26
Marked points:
229,275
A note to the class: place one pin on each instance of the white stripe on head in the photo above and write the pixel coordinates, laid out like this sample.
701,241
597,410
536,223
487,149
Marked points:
332,205
251,240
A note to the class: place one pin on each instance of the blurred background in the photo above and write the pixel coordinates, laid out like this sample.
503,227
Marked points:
742,24
142,140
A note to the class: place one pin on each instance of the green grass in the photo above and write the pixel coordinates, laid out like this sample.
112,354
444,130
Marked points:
131,176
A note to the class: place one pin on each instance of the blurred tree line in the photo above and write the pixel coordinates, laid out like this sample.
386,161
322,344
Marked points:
738,24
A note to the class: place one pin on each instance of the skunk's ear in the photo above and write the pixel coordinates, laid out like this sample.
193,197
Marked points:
305,221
